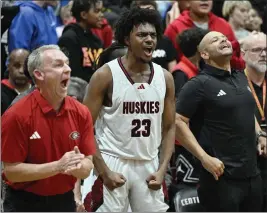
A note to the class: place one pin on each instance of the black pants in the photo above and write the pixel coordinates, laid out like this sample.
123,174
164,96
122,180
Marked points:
22,201
227,195
263,168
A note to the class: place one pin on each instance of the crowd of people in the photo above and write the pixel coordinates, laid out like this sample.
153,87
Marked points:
134,105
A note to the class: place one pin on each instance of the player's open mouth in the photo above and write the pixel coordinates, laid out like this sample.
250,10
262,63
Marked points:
148,51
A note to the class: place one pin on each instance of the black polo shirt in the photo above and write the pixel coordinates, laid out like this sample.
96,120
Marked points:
228,108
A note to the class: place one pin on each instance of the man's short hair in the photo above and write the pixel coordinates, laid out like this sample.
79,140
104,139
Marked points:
35,60
144,3
189,40
229,6
80,6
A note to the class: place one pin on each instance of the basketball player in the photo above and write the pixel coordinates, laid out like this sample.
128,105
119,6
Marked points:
133,101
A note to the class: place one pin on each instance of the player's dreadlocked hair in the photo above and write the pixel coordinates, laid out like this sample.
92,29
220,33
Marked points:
106,55
134,17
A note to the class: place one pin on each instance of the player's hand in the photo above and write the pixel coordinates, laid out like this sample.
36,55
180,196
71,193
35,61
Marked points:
68,160
113,180
154,181
262,146
79,206
213,165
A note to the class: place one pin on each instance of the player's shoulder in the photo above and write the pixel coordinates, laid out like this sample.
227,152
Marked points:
102,73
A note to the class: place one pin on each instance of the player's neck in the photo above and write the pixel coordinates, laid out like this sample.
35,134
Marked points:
255,76
199,19
133,64
234,25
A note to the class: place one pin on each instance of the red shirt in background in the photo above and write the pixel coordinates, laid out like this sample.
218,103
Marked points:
215,23
32,132
105,33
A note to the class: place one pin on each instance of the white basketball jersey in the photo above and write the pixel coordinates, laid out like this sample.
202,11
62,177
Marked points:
131,128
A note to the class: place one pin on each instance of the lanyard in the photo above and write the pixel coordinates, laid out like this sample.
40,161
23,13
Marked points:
261,108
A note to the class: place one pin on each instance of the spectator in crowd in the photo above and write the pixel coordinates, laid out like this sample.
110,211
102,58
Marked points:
188,66
165,53
17,82
255,55
65,16
80,44
41,175
254,21
184,168
226,147
236,12
177,8
105,33
200,15
8,12
33,26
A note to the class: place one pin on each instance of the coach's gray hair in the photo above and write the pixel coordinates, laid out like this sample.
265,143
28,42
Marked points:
35,58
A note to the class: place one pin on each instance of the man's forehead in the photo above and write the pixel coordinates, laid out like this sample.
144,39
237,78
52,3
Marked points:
255,41
98,4
144,27
54,55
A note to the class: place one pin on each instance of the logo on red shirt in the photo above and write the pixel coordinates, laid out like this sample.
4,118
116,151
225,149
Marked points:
74,135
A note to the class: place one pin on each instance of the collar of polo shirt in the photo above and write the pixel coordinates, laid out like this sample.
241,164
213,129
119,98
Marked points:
46,107
218,72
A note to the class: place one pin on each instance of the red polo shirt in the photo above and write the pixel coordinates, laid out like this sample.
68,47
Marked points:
32,132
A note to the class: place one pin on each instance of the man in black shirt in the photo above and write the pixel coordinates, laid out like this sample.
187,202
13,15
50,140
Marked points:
255,56
231,180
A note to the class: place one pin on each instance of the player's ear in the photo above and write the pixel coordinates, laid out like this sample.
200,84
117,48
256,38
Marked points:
127,41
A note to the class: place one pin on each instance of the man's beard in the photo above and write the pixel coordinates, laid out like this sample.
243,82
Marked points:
262,68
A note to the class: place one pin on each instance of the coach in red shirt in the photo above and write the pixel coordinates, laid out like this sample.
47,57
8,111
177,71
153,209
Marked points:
47,139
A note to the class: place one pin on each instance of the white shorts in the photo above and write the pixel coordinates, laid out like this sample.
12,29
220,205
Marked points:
134,192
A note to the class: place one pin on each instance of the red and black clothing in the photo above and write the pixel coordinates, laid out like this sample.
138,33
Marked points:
32,132
8,94
83,48
184,22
